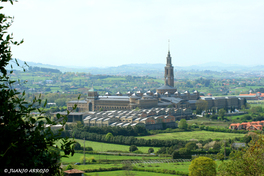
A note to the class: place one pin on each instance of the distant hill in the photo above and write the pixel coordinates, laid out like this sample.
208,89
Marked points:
33,64
143,69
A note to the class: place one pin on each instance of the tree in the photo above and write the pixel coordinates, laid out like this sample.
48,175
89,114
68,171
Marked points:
175,154
69,167
133,148
217,146
150,150
183,151
77,146
246,117
25,141
79,124
202,166
137,109
191,146
220,156
84,159
108,136
256,109
183,124
245,162
201,105
170,106
221,113
128,169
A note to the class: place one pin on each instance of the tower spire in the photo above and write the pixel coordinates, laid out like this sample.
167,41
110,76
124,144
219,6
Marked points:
169,45
169,77
168,56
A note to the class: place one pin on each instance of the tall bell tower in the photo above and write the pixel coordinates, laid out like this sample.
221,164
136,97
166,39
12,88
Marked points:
169,76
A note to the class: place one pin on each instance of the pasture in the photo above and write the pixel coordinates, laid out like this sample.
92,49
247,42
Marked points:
123,172
257,104
199,135
177,166
180,166
103,147
208,122
76,157
95,166
115,78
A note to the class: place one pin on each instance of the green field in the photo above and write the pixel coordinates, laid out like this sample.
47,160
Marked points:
181,166
103,147
76,157
122,173
115,79
208,122
96,166
253,105
199,135
235,117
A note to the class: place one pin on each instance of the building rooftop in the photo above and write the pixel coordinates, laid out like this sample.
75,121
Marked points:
172,99
81,101
74,171
119,98
165,87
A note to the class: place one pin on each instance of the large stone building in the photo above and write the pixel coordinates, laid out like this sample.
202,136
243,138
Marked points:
224,102
165,96
154,118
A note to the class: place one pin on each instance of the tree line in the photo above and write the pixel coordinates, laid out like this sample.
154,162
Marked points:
129,131
42,69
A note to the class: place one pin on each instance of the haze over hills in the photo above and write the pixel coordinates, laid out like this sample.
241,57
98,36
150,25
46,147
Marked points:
143,69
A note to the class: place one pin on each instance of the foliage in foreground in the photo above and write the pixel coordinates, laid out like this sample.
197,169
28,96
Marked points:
202,166
25,143
245,162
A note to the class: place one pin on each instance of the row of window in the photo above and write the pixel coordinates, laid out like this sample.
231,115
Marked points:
110,107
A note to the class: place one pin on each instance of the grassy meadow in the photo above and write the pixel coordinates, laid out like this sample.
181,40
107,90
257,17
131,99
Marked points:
208,122
260,104
96,166
180,166
76,157
123,172
103,147
199,135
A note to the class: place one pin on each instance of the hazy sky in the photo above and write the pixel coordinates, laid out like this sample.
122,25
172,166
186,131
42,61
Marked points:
115,32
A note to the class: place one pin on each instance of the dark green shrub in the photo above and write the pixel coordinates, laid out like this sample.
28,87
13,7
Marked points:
77,146
150,150
133,148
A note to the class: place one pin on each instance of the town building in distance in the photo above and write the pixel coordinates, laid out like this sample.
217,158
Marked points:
165,96
155,118
257,125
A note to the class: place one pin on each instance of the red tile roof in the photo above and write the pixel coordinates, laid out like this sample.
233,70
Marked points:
74,171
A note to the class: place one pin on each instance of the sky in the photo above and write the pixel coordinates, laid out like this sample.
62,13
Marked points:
103,33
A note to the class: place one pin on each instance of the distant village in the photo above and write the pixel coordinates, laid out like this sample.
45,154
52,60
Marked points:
157,110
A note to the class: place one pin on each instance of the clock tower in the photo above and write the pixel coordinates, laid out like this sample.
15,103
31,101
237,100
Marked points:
168,76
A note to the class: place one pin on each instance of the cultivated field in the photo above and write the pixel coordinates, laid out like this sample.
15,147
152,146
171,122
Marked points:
199,135
76,157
